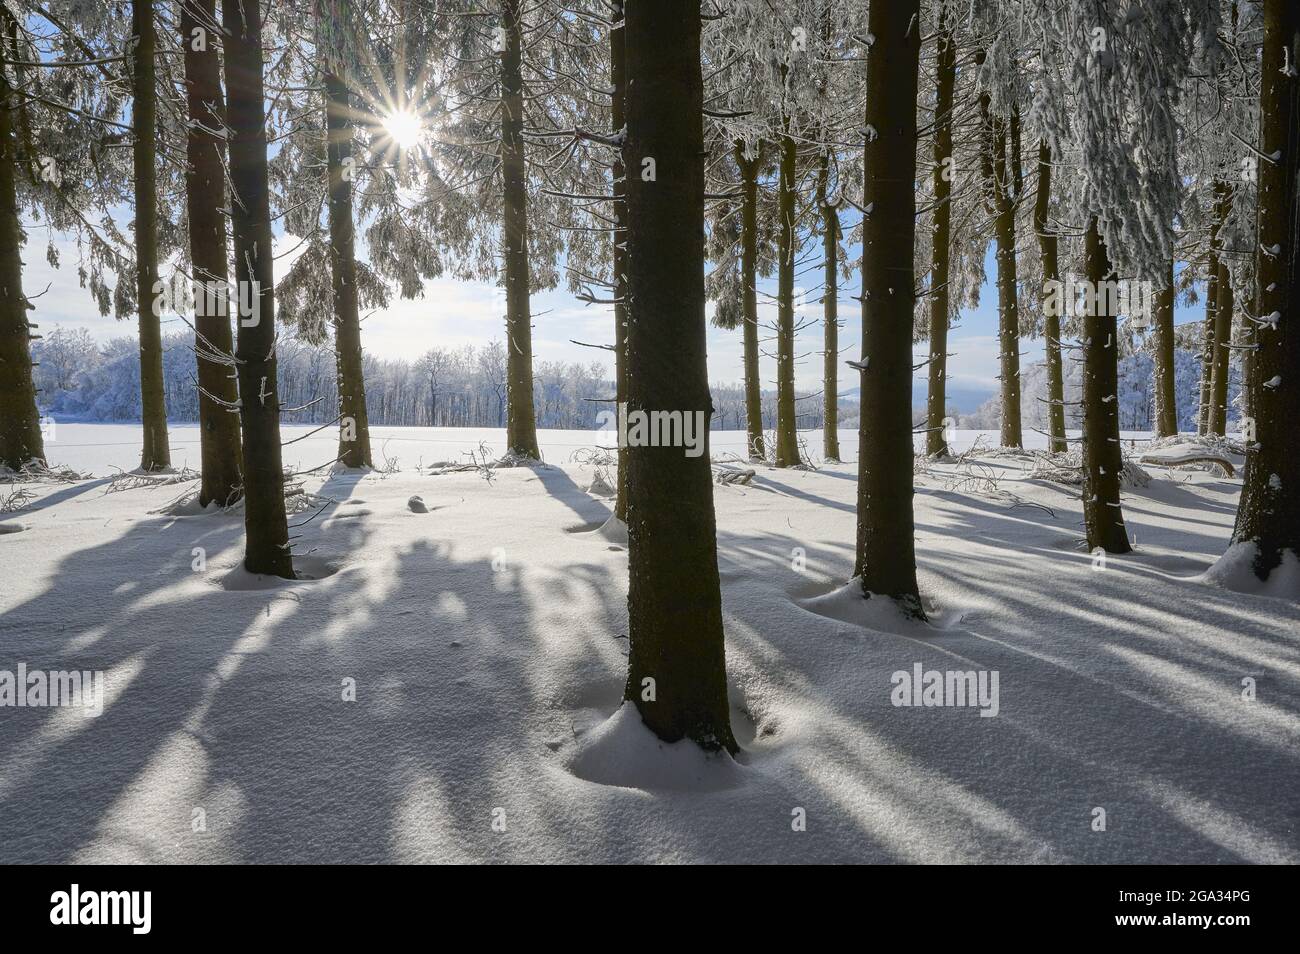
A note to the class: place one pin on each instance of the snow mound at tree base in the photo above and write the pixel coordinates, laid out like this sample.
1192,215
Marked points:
1235,570
308,570
622,752
879,613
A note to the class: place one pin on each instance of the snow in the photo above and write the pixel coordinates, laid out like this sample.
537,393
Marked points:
1235,571
485,642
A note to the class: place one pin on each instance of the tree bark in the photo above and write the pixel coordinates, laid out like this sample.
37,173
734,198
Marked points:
1166,401
1219,367
618,80
266,549
1047,253
1209,346
936,443
1269,513
674,603
205,185
20,424
830,318
886,549
749,318
1008,307
354,426
1102,457
156,453
787,437
521,417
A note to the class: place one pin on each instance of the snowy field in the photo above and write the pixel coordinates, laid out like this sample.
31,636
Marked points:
487,642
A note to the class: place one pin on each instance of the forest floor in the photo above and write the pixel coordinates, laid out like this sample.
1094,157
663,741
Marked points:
486,640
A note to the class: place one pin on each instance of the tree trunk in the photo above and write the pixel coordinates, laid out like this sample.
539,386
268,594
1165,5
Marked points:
1102,456
266,549
830,317
354,426
1269,513
1047,252
999,186
205,186
936,443
521,418
749,318
886,554
676,663
1219,367
618,80
1166,401
1209,346
20,422
787,437
156,453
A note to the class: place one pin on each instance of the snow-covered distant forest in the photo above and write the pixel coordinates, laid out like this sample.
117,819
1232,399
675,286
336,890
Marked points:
700,547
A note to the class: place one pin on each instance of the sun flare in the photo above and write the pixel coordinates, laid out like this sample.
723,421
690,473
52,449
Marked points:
404,128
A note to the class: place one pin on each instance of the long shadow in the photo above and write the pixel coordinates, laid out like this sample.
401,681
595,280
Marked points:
59,496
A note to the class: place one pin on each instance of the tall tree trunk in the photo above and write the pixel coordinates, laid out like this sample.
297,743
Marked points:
1269,513
20,422
886,549
676,661
1047,253
354,426
1102,456
1249,339
1008,306
521,417
205,186
1219,367
830,317
1209,346
787,437
618,80
749,317
156,453
1166,401
266,548
1213,297
936,443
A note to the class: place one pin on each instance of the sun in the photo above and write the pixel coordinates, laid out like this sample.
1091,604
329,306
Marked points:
403,127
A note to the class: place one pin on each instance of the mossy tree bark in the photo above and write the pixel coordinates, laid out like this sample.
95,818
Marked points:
1047,253
266,546
205,186
676,660
354,427
521,416
886,549
156,453
1269,513
21,441
1102,456
936,442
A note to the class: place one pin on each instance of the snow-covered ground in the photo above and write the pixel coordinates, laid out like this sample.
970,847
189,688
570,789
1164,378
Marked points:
486,639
